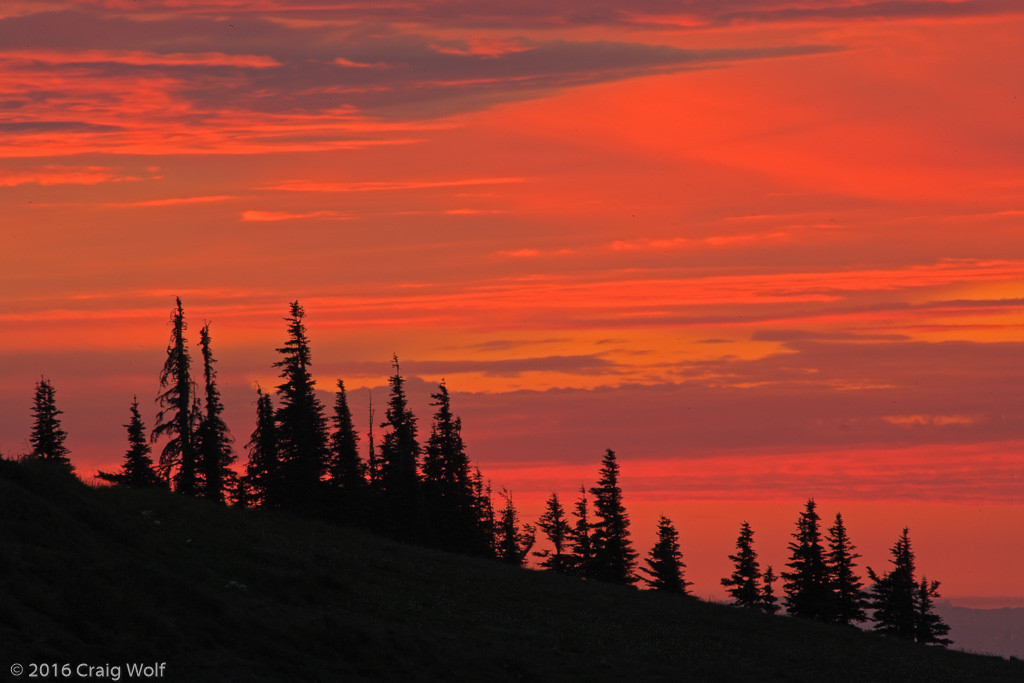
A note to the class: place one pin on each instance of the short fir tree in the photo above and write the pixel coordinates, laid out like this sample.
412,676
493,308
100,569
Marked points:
807,586
555,526
665,565
138,470
848,596
48,436
744,584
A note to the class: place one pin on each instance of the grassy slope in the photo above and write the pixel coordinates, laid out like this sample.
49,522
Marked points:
85,576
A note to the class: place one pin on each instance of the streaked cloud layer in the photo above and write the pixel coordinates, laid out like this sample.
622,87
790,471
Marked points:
765,249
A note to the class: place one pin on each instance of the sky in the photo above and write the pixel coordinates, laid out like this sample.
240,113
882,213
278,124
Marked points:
765,250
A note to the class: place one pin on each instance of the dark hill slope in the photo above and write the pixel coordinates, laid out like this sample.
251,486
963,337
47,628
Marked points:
115,576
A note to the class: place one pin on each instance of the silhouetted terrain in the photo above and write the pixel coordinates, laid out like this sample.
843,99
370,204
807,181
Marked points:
120,575
990,631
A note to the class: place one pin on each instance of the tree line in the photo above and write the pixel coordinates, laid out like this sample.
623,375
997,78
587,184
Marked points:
300,459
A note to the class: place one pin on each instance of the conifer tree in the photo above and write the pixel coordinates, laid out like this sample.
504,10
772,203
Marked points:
301,424
178,411
614,557
138,470
808,592
48,436
849,598
346,470
372,459
486,540
894,594
930,627
744,584
263,473
399,456
556,527
213,437
768,599
447,483
582,545
400,450
665,561
513,541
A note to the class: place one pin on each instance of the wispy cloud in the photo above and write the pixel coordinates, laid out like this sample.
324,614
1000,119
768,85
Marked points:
270,216
56,174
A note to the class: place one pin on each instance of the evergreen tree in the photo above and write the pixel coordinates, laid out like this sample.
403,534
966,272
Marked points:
556,527
263,474
665,561
614,557
178,412
744,584
48,436
514,541
301,425
372,459
213,437
808,592
930,627
483,508
346,470
768,599
894,594
447,483
849,599
138,470
582,545
399,455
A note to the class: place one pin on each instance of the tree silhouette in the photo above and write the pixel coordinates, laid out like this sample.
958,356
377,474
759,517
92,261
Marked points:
556,527
301,425
447,483
345,469
514,541
744,585
614,557
48,436
768,599
263,473
808,593
137,471
582,544
665,561
893,595
399,453
484,512
213,437
930,627
178,411
849,599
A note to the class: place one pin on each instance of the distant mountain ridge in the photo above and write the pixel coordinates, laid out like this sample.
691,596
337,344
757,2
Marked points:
985,631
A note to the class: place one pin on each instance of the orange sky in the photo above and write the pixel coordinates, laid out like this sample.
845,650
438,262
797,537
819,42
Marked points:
764,249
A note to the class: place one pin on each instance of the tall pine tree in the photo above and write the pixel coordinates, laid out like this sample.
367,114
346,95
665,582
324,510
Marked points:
447,483
178,411
138,470
345,469
808,591
262,479
849,598
301,424
399,454
744,584
665,561
48,436
214,440
614,557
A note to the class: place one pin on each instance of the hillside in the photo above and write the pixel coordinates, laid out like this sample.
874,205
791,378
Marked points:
116,576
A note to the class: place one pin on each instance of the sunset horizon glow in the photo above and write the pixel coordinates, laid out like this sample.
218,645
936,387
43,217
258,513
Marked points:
764,250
